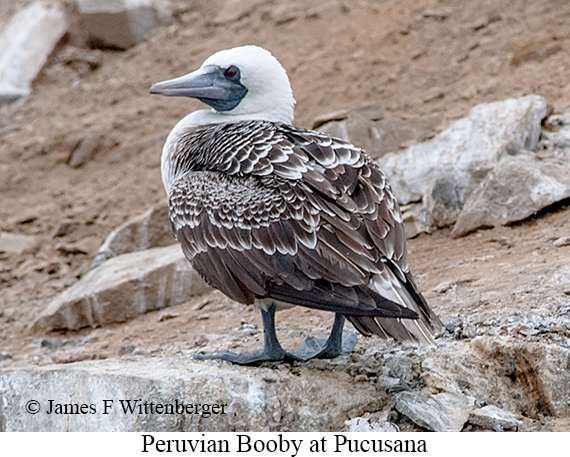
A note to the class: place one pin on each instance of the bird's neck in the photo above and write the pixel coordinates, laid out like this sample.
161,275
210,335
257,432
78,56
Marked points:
209,116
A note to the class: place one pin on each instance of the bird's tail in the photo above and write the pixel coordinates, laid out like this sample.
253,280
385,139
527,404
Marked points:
400,288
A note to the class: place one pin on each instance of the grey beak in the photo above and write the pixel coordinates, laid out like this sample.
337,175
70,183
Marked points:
198,84
207,84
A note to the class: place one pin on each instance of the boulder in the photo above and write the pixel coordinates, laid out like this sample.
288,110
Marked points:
148,230
385,386
25,45
443,412
515,189
469,147
119,24
122,288
216,396
492,418
494,167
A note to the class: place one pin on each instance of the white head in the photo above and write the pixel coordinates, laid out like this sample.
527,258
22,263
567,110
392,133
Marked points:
241,83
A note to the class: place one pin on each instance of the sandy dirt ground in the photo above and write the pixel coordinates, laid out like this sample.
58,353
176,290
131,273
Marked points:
414,56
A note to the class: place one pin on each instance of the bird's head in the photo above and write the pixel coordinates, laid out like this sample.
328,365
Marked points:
246,82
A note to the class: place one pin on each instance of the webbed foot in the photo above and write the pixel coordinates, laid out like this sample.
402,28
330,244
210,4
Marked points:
254,359
324,348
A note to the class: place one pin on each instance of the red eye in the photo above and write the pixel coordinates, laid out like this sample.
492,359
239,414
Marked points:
231,72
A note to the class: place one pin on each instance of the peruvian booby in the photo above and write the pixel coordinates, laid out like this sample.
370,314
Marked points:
276,215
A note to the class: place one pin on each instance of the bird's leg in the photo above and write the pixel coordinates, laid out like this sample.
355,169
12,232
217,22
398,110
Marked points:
272,350
333,346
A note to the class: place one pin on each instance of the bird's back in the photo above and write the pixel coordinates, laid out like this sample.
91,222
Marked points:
266,210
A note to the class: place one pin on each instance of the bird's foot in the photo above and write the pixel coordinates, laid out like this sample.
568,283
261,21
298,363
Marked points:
255,358
324,348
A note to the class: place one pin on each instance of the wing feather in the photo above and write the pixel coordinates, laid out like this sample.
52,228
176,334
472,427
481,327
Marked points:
294,215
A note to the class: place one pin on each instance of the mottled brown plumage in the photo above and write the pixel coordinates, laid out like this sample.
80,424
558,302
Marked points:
268,210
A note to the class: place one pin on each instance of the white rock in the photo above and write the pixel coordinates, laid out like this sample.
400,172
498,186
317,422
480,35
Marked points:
371,423
495,370
471,146
122,288
492,418
254,399
562,241
120,24
443,412
515,189
25,45
148,230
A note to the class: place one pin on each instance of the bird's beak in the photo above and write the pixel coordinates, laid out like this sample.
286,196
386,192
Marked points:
207,84
198,84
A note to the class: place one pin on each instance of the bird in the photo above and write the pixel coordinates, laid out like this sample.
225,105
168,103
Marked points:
276,216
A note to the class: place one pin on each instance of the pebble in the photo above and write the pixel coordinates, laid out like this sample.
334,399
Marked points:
85,151
166,316
64,228
369,423
70,249
127,349
455,326
443,287
563,241
51,343
440,15
504,242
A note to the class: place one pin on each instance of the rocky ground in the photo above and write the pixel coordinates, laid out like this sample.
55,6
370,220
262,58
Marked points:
503,293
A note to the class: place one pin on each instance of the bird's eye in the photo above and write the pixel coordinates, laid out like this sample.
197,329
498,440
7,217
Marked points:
232,72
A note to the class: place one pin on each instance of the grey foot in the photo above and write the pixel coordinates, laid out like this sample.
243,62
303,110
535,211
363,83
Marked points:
255,358
322,348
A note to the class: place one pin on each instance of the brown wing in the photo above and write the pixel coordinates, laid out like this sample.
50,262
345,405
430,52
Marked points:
243,239
302,218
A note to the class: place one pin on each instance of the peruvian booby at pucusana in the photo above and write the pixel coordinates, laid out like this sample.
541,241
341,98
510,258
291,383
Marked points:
276,215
